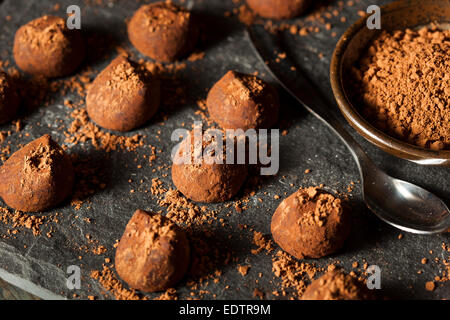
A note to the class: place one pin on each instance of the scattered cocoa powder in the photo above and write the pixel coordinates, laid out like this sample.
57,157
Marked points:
17,221
170,294
294,275
243,270
179,209
444,260
430,286
257,293
196,56
108,279
83,130
262,242
203,112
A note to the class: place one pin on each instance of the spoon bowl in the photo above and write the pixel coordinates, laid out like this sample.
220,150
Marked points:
403,204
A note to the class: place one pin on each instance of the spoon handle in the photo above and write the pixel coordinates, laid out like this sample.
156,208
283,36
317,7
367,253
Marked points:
299,87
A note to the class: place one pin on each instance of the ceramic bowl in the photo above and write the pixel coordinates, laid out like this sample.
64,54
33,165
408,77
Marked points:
394,16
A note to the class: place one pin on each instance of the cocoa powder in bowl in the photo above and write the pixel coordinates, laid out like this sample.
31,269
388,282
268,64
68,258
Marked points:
46,47
402,83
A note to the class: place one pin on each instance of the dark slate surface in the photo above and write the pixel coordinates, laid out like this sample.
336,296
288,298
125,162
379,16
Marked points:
9,292
39,263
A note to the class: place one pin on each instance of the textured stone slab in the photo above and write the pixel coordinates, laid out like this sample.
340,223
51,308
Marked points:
43,261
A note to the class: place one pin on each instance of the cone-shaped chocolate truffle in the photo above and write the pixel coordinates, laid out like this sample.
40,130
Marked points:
337,285
37,177
46,47
310,223
9,99
123,97
153,253
279,9
163,31
204,179
241,101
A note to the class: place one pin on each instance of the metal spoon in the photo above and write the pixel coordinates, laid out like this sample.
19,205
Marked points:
399,203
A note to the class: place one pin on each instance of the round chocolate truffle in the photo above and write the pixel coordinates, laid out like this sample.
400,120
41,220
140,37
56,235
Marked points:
310,223
337,285
9,99
46,47
242,101
163,31
279,9
37,177
206,176
124,96
153,253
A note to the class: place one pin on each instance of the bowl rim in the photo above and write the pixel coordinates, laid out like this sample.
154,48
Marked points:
356,120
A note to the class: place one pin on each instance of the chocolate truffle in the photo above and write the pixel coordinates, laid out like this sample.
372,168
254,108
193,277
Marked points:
124,96
310,223
279,9
336,285
9,99
46,47
37,177
242,101
153,253
163,31
204,179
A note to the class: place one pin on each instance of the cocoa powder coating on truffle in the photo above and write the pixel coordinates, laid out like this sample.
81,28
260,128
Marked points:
37,177
153,253
279,9
206,181
337,285
310,223
46,47
163,31
124,96
9,99
242,101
